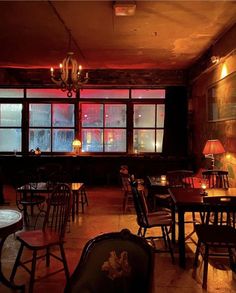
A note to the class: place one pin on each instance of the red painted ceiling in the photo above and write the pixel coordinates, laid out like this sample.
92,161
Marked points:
160,35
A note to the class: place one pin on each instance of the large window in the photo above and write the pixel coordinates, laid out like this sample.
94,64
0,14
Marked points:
10,127
51,127
148,124
114,120
103,127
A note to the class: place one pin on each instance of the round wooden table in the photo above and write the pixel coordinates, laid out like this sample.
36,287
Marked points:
10,222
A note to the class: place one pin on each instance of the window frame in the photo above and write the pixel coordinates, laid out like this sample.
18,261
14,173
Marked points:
77,101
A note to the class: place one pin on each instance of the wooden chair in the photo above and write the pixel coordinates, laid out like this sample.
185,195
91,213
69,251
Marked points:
180,178
219,232
116,262
51,234
147,220
28,200
126,188
216,178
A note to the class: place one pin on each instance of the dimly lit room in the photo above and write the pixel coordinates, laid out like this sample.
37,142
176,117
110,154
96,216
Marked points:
118,146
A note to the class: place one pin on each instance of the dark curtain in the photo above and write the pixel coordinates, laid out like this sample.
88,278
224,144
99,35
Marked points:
175,136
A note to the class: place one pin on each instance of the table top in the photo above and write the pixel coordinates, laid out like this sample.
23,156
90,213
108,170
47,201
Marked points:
156,181
10,221
195,196
45,186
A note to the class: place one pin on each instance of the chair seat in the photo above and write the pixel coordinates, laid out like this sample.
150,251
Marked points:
39,239
216,235
159,218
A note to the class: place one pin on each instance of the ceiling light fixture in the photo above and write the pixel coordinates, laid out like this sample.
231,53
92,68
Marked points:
124,8
69,77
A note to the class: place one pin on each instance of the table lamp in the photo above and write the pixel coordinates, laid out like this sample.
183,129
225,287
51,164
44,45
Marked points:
211,148
76,146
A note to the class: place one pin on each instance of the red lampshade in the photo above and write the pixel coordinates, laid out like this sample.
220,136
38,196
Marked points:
213,146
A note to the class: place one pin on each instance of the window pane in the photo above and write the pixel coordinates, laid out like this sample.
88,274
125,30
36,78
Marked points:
10,140
115,115
159,140
104,93
10,114
63,115
144,140
148,94
115,140
40,115
144,115
92,115
92,140
45,93
160,115
40,138
62,140
11,93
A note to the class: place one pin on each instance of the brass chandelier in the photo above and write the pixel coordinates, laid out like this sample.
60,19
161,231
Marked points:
69,77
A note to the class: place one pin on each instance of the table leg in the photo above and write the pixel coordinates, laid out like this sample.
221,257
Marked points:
181,238
74,200
3,279
2,201
173,236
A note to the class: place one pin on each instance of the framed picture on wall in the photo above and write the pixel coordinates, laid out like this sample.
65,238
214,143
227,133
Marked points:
222,99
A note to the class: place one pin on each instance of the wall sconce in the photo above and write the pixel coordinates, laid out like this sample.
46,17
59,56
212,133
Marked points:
211,148
76,146
215,59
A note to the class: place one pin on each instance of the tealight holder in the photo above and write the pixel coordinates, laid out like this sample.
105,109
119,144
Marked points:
203,187
163,177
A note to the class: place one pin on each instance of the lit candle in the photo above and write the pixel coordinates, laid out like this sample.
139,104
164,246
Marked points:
203,186
163,177
51,71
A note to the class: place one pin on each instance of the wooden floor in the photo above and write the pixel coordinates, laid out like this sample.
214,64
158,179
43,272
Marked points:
104,214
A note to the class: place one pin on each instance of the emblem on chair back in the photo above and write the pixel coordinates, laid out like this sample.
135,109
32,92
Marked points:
117,266
116,262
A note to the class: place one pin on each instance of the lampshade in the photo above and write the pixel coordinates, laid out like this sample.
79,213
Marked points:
76,143
213,146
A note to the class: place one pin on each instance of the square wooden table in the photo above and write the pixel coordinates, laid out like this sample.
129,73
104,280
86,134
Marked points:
46,188
191,200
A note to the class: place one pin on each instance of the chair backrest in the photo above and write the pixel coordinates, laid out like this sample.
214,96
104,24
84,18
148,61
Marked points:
59,205
220,210
124,176
180,178
140,207
116,262
216,178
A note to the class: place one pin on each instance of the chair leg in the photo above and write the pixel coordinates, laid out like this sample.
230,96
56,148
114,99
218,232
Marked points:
205,269
63,256
17,262
195,263
48,256
139,231
231,260
32,275
125,202
164,235
169,245
144,232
